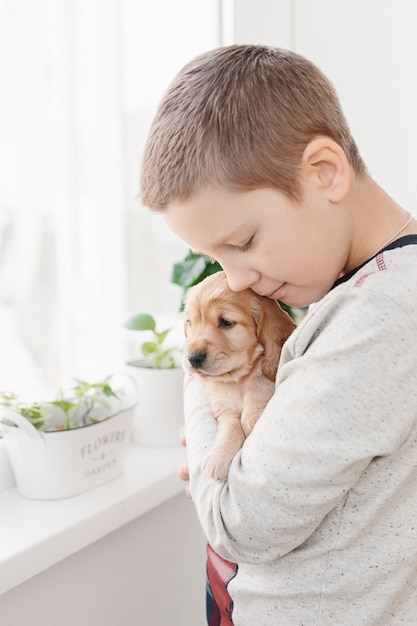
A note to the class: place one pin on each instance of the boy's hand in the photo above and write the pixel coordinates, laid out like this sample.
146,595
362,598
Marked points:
183,472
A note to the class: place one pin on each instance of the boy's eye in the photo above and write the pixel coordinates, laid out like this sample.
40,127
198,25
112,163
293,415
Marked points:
247,245
224,323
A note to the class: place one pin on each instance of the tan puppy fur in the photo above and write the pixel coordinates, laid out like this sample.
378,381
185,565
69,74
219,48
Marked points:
233,344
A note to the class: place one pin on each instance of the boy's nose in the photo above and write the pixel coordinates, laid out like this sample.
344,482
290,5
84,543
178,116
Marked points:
239,279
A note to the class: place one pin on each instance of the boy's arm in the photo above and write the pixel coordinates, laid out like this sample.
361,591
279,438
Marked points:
341,400
200,425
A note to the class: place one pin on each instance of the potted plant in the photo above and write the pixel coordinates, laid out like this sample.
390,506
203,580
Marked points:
160,411
155,352
70,444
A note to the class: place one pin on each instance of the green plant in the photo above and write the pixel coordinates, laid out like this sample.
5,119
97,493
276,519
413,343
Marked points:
76,407
88,396
32,411
192,270
157,354
296,313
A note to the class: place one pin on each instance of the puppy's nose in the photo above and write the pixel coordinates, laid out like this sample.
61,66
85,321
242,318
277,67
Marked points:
197,359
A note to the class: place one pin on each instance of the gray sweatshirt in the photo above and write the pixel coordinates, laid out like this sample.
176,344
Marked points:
320,508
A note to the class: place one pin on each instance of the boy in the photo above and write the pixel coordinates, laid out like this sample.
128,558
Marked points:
250,160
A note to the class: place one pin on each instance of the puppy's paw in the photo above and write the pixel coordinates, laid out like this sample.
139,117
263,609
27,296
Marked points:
217,463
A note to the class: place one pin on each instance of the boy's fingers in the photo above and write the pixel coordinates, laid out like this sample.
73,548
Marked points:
183,472
182,436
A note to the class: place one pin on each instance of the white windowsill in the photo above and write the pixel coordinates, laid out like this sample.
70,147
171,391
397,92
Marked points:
36,534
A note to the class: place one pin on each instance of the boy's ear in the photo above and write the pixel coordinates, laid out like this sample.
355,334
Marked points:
325,161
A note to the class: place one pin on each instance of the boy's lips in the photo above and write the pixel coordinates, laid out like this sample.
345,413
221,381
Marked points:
277,293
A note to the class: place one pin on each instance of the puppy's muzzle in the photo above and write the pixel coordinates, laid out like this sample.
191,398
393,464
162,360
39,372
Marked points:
197,359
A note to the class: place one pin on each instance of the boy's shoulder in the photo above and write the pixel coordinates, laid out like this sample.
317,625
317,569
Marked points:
379,299
392,273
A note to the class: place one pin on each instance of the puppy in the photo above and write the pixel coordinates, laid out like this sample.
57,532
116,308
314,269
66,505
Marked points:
232,343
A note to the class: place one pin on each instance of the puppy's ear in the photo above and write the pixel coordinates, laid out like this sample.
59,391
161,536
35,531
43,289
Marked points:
189,305
274,326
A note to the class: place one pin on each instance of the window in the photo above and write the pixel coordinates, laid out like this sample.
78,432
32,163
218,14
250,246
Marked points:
77,252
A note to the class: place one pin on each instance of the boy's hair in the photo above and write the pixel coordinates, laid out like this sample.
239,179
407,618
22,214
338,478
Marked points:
240,117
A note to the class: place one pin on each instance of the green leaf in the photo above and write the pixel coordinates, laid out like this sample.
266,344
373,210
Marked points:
296,313
188,272
108,391
192,270
142,321
149,347
65,405
161,336
164,360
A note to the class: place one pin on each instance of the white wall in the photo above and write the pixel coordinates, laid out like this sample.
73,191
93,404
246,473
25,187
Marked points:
368,49
80,81
149,573
370,52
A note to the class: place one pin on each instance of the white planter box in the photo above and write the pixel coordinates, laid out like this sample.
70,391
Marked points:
62,463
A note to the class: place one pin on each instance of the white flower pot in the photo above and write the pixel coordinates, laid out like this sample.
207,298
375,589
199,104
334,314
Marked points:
49,465
159,413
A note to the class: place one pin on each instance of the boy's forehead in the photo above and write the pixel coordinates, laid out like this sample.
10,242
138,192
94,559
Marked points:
204,237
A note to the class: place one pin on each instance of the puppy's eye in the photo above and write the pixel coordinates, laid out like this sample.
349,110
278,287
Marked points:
224,323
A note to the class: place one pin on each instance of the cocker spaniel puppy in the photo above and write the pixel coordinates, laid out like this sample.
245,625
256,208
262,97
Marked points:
233,343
